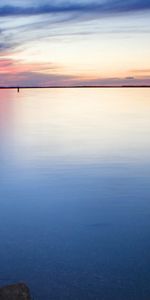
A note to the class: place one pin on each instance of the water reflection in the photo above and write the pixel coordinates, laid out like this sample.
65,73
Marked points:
82,127
6,127
74,192
6,112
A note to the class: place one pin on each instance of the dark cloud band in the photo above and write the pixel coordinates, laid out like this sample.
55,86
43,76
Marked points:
107,7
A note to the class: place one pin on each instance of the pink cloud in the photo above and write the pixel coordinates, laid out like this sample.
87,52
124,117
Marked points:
19,73
10,66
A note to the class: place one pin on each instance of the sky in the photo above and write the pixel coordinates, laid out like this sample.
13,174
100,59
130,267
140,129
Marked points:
74,42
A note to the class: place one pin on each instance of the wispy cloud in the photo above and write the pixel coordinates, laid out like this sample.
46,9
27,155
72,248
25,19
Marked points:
24,23
38,79
141,71
92,7
11,66
41,19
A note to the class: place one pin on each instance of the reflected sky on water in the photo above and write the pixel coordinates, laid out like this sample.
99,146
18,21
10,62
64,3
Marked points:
74,192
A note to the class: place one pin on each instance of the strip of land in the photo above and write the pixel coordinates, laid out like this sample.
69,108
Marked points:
76,87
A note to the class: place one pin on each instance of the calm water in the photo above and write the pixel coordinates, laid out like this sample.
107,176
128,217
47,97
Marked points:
75,193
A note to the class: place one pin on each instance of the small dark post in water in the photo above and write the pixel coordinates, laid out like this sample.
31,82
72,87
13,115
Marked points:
18,89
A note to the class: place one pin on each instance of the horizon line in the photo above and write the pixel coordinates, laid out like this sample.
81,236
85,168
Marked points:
76,86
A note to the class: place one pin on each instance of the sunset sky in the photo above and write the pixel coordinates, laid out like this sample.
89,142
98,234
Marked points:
74,42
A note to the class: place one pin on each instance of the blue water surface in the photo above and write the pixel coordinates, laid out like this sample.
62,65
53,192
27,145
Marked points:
75,193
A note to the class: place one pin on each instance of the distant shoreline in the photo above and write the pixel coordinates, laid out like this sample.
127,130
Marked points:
76,87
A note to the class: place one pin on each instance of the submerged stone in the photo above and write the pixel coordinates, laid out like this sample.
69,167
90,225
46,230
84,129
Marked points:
15,292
